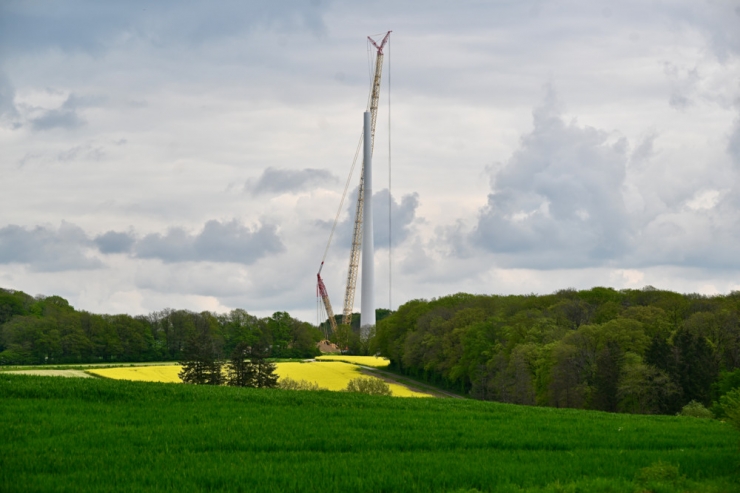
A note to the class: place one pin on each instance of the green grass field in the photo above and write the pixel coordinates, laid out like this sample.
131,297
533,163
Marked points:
64,434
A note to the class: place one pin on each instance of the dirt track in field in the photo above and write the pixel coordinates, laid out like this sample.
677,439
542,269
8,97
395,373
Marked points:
424,389
53,373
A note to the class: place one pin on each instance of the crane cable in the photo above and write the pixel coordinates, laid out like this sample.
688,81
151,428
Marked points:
344,195
390,196
349,180
341,203
354,163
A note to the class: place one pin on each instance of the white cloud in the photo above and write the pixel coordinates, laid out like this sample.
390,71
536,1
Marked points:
627,277
140,126
704,200
558,200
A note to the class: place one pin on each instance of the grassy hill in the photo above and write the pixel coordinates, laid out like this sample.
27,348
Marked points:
103,435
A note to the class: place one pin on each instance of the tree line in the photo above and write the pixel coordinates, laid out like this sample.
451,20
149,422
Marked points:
636,351
47,330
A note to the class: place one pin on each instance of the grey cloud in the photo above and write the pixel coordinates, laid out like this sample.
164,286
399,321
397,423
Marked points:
733,146
715,20
8,110
82,25
65,116
719,24
7,97
558,199
402,218
678,100
114,242
46,249
275,180
60,118
704,239
91,27
644,150
683,85
81,152
218,242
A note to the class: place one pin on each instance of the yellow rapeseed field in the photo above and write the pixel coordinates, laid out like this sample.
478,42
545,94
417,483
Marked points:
373,361
166,374
332,375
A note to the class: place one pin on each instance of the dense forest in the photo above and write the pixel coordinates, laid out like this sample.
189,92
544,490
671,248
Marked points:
638,351
47,330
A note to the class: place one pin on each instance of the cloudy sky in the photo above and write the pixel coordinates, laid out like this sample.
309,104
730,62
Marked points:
193,154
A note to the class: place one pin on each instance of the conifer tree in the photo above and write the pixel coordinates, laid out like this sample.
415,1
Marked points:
241,371
266,377
250,368
696,367
201,364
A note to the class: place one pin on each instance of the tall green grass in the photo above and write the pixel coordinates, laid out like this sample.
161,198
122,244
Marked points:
100,435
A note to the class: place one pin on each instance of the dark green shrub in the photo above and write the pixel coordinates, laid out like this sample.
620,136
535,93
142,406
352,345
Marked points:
369,385
696,410
730,403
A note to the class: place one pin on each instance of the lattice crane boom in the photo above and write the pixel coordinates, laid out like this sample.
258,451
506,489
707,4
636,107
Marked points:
354,257
354,261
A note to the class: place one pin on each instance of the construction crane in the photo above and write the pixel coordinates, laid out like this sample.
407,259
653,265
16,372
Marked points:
354,258
321,291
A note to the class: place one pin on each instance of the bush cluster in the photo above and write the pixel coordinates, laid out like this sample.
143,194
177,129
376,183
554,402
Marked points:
368,385
290,384
696,410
